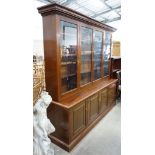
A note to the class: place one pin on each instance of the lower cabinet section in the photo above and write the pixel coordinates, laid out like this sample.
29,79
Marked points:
74,123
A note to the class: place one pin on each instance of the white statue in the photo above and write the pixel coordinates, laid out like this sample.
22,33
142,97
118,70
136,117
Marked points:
42,127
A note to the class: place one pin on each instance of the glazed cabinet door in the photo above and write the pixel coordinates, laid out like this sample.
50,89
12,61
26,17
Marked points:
68,54
78,119
86,55
97,54
92,108
107,52
103,100
111,94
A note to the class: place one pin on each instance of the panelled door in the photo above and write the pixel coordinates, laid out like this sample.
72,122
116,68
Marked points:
78,119
111,94
92,107
103,100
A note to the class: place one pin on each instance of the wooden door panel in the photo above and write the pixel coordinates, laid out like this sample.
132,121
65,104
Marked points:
103,100
78,118
92,108
111,94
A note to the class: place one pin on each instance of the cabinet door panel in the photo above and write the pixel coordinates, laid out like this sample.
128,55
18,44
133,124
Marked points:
86,55
68,51
92,108
78,118
103,100
111,94
97,54
107,51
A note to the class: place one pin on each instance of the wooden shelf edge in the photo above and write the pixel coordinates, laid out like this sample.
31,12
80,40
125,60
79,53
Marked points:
85,95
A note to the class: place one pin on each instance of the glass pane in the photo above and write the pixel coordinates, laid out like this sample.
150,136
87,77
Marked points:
107,48
97,54
86,48
68,45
